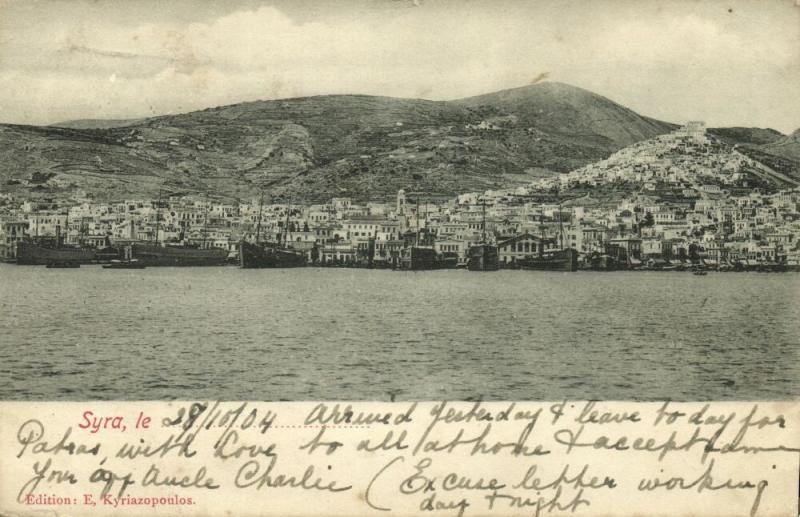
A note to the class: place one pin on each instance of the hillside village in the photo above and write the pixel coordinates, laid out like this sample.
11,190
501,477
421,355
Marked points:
688,157
695,201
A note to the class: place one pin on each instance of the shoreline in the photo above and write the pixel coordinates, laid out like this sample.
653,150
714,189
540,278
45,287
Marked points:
688,270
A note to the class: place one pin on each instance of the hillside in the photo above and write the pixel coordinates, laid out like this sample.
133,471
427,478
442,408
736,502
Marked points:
313,148
746,135
775,150
569,112
681,163
317,147
97,123
787,147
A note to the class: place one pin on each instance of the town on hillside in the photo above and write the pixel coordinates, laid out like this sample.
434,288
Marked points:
696,205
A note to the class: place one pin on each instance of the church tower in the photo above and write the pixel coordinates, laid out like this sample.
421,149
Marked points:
401,202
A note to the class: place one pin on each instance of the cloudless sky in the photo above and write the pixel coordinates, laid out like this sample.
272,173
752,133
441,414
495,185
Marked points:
730,63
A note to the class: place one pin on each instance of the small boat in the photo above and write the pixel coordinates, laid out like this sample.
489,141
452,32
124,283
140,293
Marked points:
700,272
124,264
63,264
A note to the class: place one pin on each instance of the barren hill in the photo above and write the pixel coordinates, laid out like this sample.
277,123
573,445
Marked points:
570,112
779,152
312,148
787,147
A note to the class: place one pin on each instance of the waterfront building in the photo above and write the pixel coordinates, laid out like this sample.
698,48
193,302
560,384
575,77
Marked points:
510,251
11,232
367,226
455,248
337,253
626,250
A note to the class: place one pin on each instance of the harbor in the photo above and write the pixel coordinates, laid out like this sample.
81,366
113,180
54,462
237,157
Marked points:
314,333
681,201
716,232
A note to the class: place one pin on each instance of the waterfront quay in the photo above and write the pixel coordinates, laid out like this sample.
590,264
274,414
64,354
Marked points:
707,228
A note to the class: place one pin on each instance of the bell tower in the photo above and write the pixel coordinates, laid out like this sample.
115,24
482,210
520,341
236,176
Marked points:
401,202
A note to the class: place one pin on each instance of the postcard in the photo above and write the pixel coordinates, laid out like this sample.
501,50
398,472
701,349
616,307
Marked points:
399,257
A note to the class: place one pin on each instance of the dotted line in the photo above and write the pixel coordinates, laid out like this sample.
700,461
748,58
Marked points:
320,426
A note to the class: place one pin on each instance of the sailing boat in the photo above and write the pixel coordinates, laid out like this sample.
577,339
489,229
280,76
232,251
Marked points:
260,255
156,254
52,251
563,259
418,257
483,257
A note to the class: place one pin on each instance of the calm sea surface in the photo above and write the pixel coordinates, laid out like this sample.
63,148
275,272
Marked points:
308,334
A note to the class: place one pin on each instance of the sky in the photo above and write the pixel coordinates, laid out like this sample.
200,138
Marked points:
729,63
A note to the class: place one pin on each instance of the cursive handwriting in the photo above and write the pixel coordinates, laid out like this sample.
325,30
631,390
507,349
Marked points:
31,433
442,458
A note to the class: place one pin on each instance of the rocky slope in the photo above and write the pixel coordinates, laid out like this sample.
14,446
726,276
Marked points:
310,149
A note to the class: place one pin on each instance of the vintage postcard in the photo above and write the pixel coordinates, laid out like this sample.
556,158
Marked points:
399,257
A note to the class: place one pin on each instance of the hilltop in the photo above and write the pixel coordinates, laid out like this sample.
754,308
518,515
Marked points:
97,123
313,148
569,112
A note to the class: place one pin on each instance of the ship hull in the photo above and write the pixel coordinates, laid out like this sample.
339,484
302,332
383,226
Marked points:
603,263
448,261
253,256
565,260
483,258
63,265
124,265
30,254
419,259
151,255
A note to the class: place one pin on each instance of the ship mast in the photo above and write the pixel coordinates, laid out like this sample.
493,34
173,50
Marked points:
158,215
416,239
83,230
205,224
417,193
286,226
426,214
560,225
258,223
483,224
